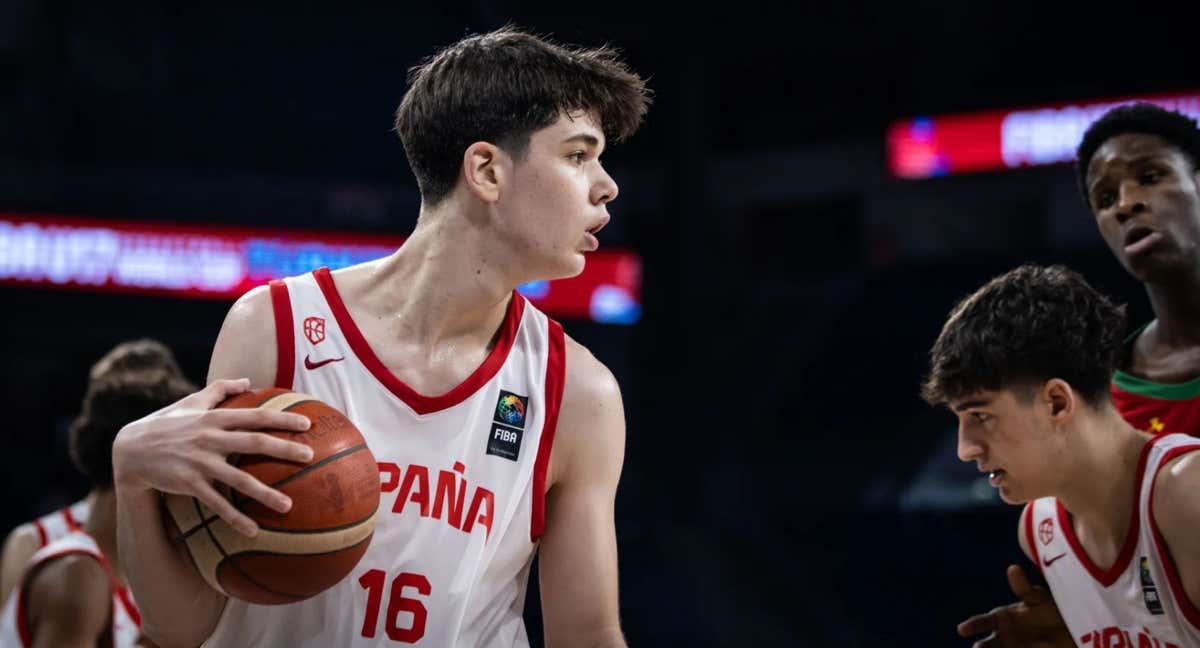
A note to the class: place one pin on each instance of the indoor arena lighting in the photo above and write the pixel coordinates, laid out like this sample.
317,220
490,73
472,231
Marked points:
224,262
926,147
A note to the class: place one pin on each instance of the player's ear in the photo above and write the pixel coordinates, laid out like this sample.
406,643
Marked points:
1059,400
484,168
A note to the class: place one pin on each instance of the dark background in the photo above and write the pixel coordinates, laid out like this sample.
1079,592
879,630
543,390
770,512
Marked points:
783,485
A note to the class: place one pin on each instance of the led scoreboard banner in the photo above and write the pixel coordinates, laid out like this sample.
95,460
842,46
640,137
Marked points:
199,261
926,147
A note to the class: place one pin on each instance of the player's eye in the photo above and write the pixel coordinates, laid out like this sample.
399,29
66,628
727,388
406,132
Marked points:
1150,176
980,417
577,157
1105,199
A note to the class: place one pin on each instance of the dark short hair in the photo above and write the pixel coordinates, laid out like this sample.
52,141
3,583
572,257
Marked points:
135,354
500,87
1025,327
114,398
1144,118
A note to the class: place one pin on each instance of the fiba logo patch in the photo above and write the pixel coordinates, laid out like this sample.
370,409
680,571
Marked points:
1149,591
1046,531
314,329
508,425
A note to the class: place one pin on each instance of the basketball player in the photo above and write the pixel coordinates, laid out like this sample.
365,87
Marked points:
1025,363
71,592
446,370
26,539
1138,172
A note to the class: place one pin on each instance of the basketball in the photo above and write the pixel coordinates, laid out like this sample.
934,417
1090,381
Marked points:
314,545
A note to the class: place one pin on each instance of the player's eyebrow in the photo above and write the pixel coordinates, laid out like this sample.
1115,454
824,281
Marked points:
978,402
1137,161
584,138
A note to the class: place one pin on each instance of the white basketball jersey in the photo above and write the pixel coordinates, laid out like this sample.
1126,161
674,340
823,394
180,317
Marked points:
1139,600
463,480
126,621
59,524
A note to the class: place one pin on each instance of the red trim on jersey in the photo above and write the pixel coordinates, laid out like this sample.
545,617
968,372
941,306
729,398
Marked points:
556,366
1107,577
1181,598
420,403
285,342
72,525
1029,537
127,602
42,537
24,632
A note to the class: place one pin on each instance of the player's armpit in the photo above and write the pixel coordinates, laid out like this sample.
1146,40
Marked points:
246,346
19,547
70,603
1176,512
578,553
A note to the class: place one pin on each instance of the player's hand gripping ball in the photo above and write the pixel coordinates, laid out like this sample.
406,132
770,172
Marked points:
314,545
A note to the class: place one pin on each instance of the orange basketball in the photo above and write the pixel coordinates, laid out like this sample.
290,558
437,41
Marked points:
310,548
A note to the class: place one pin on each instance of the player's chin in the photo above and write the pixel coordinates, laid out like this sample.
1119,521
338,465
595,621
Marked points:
1010,495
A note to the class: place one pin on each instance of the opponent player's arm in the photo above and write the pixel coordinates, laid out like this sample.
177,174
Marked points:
70,603
19,547
578,554
183,449
1177,514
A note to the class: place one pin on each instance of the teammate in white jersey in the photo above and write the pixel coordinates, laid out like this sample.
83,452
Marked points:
26,539
71,592
504,132
1025,363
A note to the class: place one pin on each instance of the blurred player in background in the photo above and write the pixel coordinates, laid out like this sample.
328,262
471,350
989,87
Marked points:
1138,168
27,538
71,591
446,370
1111,516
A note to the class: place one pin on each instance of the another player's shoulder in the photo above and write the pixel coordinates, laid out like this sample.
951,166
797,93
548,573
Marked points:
75,586
23,537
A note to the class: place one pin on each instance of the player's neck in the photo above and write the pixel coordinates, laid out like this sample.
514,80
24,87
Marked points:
455,278
1176,306
1101,508
102,524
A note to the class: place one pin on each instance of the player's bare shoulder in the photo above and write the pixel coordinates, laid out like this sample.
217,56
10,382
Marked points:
246,346
1176,509
591,421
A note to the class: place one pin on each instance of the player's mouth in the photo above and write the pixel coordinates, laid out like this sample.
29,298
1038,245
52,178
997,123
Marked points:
591,243
995,477
1139,239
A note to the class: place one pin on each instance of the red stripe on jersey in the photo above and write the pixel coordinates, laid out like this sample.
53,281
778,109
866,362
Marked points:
1164,553
127,602
1107,577
420,403
42,538
285,343
556,365
1028,515
72,524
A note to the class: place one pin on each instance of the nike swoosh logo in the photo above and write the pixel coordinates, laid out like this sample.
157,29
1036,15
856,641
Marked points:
1047,563
310,365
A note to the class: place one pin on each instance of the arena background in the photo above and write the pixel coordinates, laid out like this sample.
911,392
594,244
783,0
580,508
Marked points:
783,485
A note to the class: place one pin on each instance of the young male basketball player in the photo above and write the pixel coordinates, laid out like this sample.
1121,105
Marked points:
23,541
453,378
1025,363
1138,172
71,592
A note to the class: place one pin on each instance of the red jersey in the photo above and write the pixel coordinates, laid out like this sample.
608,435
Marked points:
1158,408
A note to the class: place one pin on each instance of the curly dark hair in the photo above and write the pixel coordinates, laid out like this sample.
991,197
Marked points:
135,354
1145,118
500,87
1028,325
126,391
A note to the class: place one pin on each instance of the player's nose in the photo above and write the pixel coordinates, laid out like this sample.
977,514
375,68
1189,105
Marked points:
968,449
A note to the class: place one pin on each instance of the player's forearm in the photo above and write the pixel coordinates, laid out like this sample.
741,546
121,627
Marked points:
178,608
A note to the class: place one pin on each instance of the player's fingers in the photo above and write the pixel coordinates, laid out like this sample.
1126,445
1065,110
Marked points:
257,419
989,641
978,624
228,443
1019,583
249,486
223,508
217,391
